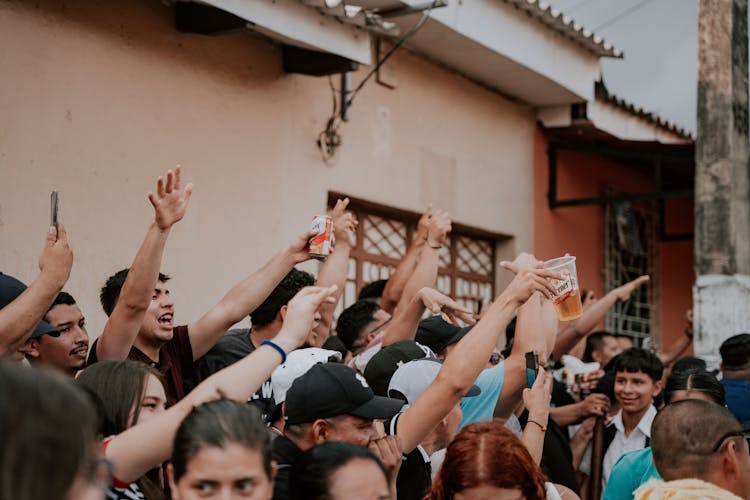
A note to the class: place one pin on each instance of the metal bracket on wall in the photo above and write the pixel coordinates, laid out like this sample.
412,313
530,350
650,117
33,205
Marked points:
658,195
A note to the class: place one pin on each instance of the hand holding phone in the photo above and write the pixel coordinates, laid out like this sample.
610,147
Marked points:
532,367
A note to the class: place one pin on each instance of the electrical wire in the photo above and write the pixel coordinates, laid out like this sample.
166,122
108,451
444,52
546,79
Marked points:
622,14
329,139
413,31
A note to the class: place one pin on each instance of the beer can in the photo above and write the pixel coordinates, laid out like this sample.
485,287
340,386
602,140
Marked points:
321,244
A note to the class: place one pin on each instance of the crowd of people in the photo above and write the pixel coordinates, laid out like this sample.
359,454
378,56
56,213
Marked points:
406,394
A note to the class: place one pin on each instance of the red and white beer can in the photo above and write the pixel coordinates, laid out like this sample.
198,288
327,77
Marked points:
321,244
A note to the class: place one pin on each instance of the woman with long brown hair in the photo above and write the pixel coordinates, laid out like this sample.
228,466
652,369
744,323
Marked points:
486,460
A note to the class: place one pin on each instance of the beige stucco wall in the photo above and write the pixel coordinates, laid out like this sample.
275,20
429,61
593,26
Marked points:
98,98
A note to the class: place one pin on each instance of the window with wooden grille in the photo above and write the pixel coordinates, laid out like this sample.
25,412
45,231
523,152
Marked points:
629,252
467,260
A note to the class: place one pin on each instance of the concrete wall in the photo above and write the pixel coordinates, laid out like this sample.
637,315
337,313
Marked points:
579,230
99,98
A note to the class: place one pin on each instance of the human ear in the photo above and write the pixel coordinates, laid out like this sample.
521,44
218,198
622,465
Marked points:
657,389
172,484
320,431
30,348
274,469
282,312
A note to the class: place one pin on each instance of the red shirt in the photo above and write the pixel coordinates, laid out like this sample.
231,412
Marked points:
175,362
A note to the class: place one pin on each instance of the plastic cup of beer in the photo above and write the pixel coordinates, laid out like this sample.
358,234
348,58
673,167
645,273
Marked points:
567,297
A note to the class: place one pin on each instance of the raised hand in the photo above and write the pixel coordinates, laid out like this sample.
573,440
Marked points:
423,226
438,229
344,223
300,315
57,257
298,248
624,292
537,399
528,280
169,202
438,303
388,450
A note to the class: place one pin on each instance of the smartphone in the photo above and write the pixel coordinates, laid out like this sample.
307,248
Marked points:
54,203
532,367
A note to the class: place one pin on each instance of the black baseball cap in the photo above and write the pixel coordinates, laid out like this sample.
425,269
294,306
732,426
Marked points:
332,389
10,289
437,334
381,367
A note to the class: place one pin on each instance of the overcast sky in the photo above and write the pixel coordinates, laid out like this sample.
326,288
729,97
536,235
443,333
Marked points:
660,42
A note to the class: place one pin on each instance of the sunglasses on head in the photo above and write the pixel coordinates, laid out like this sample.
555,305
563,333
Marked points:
745,433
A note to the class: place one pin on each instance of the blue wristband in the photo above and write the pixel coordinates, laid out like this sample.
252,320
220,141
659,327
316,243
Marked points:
275,346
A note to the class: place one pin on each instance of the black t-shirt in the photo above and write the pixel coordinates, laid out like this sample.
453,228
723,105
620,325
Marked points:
234,346
415,476
284,453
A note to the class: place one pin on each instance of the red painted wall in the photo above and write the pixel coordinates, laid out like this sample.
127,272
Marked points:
579,231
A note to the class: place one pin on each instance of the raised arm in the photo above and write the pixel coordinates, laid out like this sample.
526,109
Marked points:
404,324
397,281
426,272
592,316
121,329
535,331
239,381
467,359
336,266
246,296
19,318
537,400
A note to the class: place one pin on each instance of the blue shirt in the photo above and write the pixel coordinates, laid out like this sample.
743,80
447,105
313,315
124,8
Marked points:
738,398
481,408
631,471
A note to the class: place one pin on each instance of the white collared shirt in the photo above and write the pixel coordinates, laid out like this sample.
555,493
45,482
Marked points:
621,444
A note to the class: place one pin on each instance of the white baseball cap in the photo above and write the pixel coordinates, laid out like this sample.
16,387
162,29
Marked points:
297,363
411,379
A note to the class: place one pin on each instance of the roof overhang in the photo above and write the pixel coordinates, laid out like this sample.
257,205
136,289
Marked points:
614,117
497,44
293,23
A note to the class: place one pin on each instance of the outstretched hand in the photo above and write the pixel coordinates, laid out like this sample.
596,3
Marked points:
169,202
301,313
438,303
344,223
624,292
423,226
439,227
529,279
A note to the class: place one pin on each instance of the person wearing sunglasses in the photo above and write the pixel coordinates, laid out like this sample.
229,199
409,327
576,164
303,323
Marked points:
701,451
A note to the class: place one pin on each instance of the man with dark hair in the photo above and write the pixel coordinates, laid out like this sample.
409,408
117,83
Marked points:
735,368
140,326
701,451
67,351
601,347
359,323
267,320
638,374
373,291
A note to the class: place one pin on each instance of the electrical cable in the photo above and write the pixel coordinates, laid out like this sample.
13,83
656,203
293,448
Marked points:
621,15
329,139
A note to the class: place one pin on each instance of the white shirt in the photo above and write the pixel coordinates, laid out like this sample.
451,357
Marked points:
621,444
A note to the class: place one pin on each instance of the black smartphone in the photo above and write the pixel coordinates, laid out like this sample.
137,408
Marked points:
54,204
532,367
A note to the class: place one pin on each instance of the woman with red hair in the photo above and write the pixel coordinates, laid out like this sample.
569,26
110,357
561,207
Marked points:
486,460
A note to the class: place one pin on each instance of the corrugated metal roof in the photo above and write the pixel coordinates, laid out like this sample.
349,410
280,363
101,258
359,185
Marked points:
566,26
601,92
